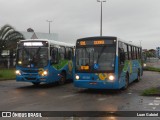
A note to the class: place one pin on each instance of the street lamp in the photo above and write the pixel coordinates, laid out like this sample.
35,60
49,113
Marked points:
101,1
49,21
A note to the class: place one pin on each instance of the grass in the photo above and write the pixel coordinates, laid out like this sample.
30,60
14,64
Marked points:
7,74
148,68
151,91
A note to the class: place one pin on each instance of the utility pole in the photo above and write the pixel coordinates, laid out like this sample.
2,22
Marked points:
101,1
49,21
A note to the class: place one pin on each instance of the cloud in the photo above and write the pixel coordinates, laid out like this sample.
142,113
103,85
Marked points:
72,19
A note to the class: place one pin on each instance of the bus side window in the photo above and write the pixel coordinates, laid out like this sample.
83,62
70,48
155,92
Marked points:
54,56
129,53
125,50
122,55
66,53
70,53
62,53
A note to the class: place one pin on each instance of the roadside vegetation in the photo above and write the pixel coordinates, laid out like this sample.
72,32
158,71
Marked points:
7,74
149,68
151,92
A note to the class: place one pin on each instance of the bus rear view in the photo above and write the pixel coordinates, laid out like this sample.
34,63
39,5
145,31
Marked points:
95,63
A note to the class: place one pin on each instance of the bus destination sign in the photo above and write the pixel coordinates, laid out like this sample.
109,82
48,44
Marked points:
82,42
98,42
95,42
33,44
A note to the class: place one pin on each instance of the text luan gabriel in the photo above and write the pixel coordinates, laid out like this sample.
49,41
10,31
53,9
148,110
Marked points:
147,114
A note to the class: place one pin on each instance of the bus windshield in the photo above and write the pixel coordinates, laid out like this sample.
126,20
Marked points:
32,57
95,58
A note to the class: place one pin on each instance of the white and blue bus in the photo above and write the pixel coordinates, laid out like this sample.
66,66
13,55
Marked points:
41,60
106,63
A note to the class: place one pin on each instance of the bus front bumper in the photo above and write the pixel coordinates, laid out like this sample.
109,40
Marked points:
95,84
31,79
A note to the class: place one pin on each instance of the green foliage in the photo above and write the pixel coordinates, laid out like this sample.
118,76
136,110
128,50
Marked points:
151,91
149,53
9,38
7,74
148,68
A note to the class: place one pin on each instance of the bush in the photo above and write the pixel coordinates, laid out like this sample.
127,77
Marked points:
151,91
7,74
148,68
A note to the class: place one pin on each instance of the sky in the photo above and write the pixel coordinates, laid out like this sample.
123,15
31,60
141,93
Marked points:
137,21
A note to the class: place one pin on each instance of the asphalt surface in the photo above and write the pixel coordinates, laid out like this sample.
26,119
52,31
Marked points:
20,96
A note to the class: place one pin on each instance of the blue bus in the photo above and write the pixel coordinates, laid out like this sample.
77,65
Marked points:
106,62
44,61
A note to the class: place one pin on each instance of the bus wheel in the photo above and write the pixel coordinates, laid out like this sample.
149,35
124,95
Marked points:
36,83
138,77
62,79
126,82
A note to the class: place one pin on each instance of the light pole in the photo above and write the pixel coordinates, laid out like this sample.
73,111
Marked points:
49,21
101,1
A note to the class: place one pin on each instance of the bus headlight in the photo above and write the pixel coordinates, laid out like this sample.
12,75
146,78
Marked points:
77,77
18,72
144,64
19,62
111,77
45,73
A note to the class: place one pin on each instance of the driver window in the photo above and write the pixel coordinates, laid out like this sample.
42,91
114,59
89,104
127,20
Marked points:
121,53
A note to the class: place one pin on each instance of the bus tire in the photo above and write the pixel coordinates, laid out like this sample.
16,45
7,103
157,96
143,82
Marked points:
62,79
138,76
36,83
126,82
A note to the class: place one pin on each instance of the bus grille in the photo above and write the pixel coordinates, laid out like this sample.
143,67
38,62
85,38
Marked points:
30,71
30,78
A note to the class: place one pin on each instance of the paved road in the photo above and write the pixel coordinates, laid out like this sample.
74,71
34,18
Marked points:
26,97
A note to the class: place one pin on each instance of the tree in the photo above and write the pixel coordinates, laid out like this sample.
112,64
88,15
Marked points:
8,40
30,30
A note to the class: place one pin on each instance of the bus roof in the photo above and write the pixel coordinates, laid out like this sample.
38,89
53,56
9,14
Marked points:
52,42
98,37
129,43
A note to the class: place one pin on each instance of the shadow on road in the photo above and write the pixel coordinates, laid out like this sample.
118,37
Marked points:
44,86
101,91
108,91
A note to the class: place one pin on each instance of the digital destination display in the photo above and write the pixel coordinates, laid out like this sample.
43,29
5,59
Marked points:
95,42
98,42
82,42
84,67
34,43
